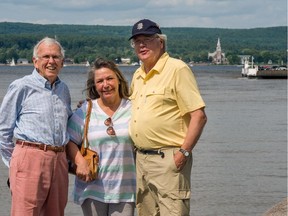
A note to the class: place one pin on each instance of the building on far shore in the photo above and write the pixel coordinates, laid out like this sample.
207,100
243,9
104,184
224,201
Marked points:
218,57
125,60
244,58
22,61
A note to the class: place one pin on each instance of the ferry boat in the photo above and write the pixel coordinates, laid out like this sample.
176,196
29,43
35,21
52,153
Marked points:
249,70
268,72
272,72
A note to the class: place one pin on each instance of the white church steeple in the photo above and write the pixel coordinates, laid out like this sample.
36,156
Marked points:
218,57
218,48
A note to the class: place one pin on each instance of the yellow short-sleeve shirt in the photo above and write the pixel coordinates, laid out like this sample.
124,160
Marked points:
161,101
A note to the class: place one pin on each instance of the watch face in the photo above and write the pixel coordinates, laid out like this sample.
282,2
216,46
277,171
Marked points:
184,152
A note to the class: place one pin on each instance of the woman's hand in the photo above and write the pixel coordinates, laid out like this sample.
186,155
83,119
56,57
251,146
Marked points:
82,168
82,171
80,103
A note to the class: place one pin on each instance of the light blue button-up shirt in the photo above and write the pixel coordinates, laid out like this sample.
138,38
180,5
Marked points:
35,111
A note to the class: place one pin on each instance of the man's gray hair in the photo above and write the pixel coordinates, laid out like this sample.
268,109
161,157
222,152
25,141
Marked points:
48,40
163,37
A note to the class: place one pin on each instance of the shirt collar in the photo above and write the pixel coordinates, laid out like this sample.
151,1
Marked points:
158,67
44,82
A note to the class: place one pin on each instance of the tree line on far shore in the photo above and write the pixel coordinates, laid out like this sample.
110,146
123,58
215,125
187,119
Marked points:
86,42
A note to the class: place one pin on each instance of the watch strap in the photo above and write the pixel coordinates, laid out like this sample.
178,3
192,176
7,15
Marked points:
184,152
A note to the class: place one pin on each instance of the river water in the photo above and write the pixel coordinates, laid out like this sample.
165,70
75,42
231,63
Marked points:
240,162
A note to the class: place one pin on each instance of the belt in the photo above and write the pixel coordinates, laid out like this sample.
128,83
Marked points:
152,152
41,146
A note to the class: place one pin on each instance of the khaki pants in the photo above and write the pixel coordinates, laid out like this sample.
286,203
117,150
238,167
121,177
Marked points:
38,182
161,188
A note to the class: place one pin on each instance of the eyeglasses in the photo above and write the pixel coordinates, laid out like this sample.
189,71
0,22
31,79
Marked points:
54,57
110,130
144,41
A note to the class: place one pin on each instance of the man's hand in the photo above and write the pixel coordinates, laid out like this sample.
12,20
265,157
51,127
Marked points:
180,160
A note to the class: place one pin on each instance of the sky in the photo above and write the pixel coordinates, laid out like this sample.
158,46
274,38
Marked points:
232,14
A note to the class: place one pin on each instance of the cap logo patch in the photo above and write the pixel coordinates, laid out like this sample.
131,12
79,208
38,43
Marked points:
140,26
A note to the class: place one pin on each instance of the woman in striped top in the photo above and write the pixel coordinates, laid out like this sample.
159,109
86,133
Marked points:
113,192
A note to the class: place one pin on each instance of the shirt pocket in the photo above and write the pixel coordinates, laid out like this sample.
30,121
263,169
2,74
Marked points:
155,98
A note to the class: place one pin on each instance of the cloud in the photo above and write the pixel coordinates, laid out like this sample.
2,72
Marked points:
173,13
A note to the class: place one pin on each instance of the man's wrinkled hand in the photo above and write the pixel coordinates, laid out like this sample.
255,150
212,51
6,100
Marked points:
180,160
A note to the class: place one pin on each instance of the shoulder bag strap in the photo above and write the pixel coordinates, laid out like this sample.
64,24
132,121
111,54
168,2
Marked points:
85,143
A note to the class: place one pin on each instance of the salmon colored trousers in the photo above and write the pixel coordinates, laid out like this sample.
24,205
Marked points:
38,182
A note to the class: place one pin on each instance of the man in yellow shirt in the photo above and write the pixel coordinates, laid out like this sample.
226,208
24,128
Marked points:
167,120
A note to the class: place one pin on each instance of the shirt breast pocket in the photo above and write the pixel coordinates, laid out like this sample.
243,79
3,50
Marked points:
155,98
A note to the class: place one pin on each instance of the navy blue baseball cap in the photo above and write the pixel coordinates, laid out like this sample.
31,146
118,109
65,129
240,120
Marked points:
145,27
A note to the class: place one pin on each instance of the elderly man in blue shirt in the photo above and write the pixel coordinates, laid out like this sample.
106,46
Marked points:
33,122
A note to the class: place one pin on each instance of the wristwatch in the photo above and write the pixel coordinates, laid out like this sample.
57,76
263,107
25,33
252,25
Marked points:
184,152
